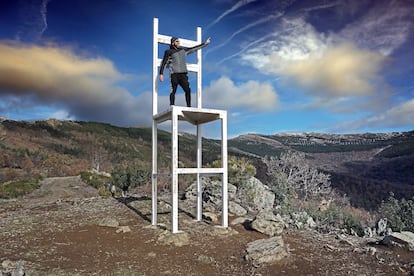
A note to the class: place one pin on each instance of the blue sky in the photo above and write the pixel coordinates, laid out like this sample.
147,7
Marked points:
275,66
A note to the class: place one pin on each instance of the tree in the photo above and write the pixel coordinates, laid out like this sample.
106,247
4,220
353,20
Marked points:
121,179
129,177
293,177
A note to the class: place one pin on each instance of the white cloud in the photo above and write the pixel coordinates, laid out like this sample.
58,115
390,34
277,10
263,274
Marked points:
235,7
398,116
86,88
43,13
252,95
243,29
340,71
293,40
33,17
61,115
385,27
307,59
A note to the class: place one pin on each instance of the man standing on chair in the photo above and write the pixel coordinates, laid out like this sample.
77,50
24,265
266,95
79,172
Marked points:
175,59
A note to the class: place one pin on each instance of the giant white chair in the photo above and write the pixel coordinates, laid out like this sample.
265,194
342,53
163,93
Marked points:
193,115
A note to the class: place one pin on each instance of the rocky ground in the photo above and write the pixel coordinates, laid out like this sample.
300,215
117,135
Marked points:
65,228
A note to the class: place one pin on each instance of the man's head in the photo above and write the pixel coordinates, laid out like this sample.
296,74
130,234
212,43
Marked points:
174,40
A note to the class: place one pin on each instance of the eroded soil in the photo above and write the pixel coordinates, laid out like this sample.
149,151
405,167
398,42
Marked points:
65,228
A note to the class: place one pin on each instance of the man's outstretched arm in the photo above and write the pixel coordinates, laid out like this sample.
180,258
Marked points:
198,47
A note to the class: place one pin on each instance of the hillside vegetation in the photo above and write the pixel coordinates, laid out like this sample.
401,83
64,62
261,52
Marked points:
55,148
364,167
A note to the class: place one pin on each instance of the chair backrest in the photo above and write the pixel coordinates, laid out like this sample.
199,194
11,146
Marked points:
191,67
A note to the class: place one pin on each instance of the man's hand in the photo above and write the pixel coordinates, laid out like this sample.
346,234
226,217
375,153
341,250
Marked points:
161,78
207,41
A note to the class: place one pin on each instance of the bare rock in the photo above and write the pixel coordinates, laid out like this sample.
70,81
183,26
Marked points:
19,270
123,229
404,239
12,268
255,195
205,259
382,227
210,216
267,223
266,251
109,222
177,239
236,209
220,231
240,220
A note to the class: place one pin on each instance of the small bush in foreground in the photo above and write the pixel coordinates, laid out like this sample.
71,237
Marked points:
337,217
97,181
13,189
399,213
104,192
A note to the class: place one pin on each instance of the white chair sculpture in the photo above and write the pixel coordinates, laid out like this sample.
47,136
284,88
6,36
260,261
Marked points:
193,115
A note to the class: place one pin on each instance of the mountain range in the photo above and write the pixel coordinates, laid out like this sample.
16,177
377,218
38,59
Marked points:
364,167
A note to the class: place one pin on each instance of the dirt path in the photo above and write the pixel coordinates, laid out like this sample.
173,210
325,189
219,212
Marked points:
61,188
65,228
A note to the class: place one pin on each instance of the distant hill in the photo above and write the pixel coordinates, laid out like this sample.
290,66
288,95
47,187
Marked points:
366,167
63,148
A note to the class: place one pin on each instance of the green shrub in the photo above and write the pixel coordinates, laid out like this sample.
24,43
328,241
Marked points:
352,222
120,178
330,216
130,177
282,190
13,189
95,180
239,169
336,217
104,192
399,213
